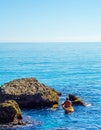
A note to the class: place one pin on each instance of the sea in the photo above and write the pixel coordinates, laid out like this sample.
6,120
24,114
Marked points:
68,68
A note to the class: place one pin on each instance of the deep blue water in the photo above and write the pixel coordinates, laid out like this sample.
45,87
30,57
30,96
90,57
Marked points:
67,67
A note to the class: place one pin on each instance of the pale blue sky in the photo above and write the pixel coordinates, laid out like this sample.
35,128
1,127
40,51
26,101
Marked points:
50,20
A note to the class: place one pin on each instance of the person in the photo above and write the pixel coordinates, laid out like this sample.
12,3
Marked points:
67,103
67,106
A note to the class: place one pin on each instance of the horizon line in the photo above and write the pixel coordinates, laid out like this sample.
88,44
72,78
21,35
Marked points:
50,41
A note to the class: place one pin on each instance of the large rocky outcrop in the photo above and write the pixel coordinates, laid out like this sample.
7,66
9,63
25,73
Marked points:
10,112
29,93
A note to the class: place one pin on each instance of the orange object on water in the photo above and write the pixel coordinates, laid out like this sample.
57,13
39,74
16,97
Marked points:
68,109
67,106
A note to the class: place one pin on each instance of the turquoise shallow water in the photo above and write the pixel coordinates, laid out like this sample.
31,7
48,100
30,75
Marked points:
67,67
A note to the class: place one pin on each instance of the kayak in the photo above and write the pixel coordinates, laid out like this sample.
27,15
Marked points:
68,109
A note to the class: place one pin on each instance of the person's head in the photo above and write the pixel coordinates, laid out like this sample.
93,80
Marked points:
67,98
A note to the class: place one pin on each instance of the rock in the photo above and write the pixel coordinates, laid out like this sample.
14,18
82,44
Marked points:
76,100
29,93
55,106
10,112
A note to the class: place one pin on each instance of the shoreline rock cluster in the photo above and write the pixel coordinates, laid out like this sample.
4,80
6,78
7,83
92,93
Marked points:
29,93
26,93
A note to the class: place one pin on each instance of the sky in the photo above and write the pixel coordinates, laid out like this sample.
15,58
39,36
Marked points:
50,20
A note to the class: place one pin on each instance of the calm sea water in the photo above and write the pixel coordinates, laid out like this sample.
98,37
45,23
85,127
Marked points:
67,67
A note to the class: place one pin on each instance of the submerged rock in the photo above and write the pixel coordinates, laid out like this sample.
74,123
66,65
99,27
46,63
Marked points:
29,93
10,112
